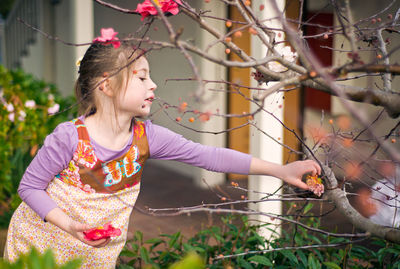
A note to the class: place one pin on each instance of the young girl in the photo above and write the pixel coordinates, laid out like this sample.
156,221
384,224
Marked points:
88,171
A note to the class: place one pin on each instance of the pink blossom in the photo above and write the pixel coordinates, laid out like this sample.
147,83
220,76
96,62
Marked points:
315,185
146,8
108,36
53,109
105,231
10,107
170,6
30,104
317,189
11,117
22,115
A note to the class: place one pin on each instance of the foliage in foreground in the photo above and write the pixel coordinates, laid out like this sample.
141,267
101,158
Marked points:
26,108
35,260
237,236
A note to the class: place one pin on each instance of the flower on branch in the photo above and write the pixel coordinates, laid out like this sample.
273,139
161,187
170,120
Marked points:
108,36
167,6
30,104
53,109
105,231
315,185
287,54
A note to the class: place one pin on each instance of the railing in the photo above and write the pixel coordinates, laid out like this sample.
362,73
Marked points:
18,36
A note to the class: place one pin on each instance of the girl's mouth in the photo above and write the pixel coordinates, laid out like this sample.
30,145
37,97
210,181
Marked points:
150,99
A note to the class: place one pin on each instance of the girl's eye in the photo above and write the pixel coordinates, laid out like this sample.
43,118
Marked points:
142,79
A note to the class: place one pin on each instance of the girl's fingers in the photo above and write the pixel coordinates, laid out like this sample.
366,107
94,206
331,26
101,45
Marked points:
302,185
102,242
315,169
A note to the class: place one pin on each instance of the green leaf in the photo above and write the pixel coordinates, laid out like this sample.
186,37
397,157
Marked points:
74,264
34,260
313,262
308,207
154,241
392,250
127,253
124,266
302,256
331,265
315,239
244,264
48,259
288,254
187,247
144,254
191,261
232,227
174,239
135,247
139,236
261,260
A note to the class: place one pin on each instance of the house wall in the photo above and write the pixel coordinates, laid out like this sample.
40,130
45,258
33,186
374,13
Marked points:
69,21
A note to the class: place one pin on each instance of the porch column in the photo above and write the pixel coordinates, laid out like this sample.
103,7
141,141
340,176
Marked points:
215,100
261,145
82,25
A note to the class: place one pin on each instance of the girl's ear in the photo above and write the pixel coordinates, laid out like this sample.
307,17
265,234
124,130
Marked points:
106,88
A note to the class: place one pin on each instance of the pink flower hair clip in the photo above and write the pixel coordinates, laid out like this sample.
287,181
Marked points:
108,36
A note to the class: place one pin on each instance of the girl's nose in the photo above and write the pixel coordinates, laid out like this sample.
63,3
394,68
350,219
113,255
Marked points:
153,86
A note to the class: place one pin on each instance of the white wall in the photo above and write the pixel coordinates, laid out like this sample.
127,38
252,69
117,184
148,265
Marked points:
33,62
53,61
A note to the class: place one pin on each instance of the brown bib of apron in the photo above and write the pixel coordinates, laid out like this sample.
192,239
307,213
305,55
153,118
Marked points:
98,176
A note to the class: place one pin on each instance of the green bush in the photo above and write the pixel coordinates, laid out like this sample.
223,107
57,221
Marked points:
35,260
24,123
237,236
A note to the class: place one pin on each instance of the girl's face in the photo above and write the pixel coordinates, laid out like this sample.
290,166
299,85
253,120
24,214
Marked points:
139,94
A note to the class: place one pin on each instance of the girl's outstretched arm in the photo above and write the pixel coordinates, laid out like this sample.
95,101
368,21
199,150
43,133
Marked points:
291,173
167,145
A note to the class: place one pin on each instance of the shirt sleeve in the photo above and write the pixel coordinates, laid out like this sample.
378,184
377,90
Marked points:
167,145
52,158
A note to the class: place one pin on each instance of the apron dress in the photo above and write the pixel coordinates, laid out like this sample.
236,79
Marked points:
89,191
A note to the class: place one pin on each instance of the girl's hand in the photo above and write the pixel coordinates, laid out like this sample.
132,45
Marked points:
58,217
293,172
76,229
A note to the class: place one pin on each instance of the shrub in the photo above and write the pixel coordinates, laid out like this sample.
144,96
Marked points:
35,260
237,236
25,120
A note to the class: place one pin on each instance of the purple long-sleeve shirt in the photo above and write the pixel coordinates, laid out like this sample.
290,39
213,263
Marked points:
61,144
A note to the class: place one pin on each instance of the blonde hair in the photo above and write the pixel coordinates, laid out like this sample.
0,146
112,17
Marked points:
101,59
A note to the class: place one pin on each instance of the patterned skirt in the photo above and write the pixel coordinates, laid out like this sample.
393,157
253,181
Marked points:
27,229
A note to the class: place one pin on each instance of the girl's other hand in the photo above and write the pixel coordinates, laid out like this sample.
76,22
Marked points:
76,229
58,217
293,172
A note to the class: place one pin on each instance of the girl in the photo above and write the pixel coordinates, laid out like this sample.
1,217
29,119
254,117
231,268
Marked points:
88,171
